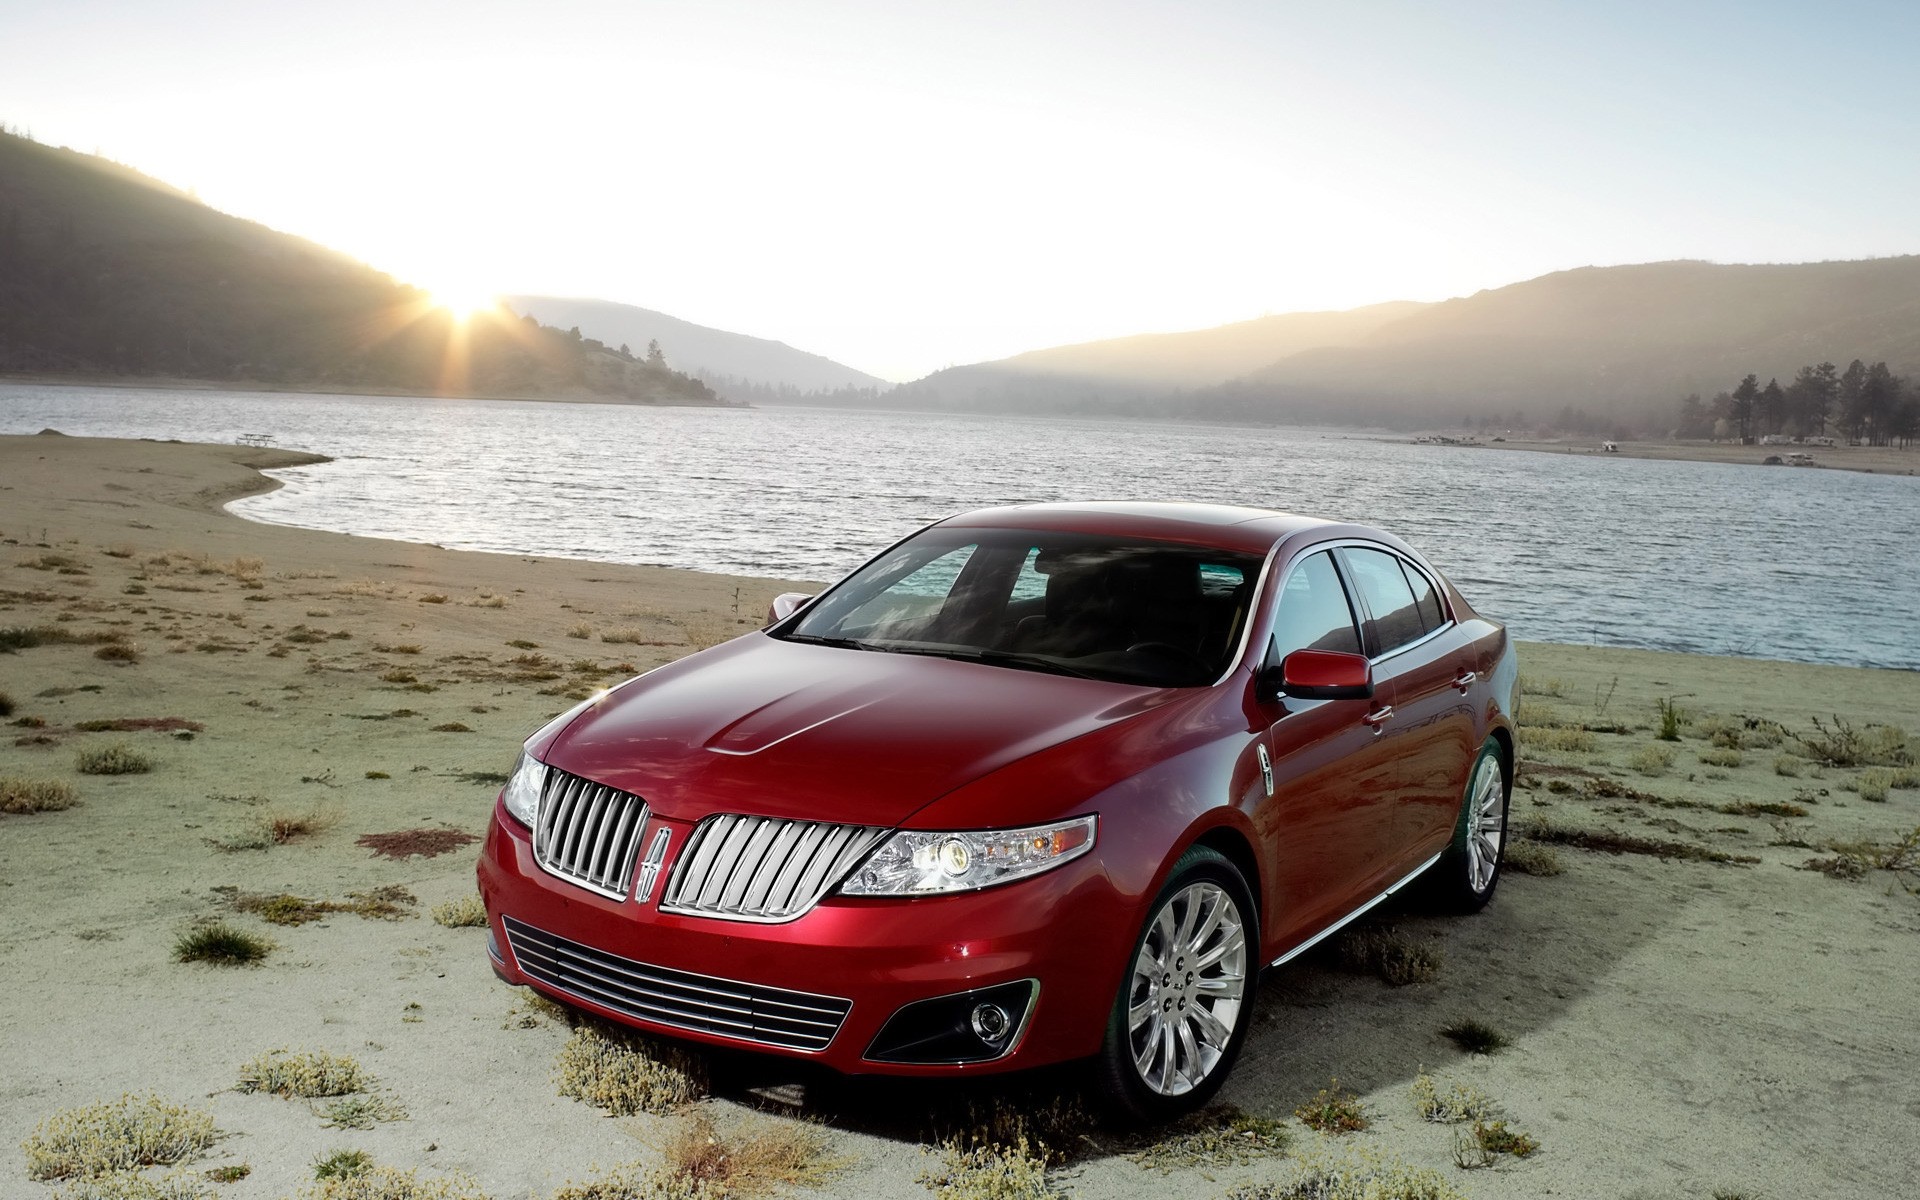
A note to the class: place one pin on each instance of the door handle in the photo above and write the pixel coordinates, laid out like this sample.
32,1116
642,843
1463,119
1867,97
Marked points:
1465,679
1378,718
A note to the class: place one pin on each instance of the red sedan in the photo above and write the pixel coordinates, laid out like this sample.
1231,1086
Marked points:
1036,784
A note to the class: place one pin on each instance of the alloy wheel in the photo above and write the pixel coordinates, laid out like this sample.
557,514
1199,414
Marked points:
1486,823
1189,981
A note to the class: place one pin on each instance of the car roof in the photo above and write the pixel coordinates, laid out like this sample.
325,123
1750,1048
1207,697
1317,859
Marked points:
1221,526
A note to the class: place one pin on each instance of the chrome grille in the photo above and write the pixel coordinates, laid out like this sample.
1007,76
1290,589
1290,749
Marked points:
763,868
749,1011
587,833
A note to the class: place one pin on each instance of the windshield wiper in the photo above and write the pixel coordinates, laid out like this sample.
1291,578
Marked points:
1002,658
813,639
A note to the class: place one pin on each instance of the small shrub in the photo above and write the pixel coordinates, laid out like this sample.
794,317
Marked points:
433,598
1353,1173
1332,1111
1874,786
401,648
582,632
453,727
1852,860
1460,1102
1386,952
1475,1037
1842,745
1652,760
398,676
20,796
1786,765
117,759
231,1173
754,1159
6,704
465,913
283,828
625,1073
487,600
1487,1142
378,775
307,1074
1015,1172
342,1164
118,652
116,1135
523,644
391,1183
1672,717
1717,756
1530,858
220,944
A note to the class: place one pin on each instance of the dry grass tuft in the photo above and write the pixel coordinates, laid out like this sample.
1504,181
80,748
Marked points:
755,1159
1333,1111
1651,761
1386,952
342,1164
1352,1173
362,1112
116,1135
453,727
626,1073
307,1074
1217,1136
1566,741
117,759
1460,1102
1529,858
120,652
391,1183
1539,829
20,796
1852,860
465,913
389,903
1484,1145
1719,756
222,945
410,843
1475,1037
1842,745
1016,1172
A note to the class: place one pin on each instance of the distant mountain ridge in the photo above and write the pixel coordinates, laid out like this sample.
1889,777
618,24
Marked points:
721,358
106,272
1625,342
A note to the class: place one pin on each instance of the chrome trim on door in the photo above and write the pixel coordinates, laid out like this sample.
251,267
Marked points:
1343,922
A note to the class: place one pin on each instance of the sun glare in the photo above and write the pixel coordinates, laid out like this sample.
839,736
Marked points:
463,302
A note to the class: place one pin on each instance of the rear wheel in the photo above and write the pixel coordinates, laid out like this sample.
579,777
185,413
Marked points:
1467,873
1186,1000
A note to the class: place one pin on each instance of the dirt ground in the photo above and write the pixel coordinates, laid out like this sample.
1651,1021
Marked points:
1674,1026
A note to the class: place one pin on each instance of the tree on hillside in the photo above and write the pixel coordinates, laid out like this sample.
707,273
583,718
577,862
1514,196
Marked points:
1810,397
1770,407
1741,413
1695,420
1880,397
1852,416
656,357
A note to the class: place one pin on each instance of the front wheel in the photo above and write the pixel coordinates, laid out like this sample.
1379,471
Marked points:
1467,873
1187,998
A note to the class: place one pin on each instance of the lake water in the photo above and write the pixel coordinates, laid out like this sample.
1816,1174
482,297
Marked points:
1806,565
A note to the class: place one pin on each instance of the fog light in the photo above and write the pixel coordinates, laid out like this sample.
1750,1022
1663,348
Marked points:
990,1023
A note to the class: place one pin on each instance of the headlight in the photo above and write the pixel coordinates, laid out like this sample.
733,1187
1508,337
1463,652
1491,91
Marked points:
915,863
522,794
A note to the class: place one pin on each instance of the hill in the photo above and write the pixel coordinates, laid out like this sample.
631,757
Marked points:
1126,374
1622,342
106,272
1614,345
736,365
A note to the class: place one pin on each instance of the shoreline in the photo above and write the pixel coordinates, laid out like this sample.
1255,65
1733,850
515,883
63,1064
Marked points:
168,384
360,686
1866,460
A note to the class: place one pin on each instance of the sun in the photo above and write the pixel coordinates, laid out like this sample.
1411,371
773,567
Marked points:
463,302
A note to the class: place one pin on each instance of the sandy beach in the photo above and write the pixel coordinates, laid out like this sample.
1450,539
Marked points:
1874,460
1701,1015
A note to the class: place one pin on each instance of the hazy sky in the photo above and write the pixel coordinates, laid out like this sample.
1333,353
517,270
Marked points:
902,186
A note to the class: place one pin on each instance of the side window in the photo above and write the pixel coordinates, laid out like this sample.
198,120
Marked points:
1432,616
1396,615
1029,584
1313,613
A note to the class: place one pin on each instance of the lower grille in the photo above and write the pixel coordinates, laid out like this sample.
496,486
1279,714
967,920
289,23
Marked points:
587,832
763,868
748,1011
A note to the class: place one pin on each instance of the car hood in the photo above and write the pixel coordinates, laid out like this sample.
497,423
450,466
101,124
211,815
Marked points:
785,729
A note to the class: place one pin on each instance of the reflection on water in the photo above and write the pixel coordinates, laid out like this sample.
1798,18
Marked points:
1815,566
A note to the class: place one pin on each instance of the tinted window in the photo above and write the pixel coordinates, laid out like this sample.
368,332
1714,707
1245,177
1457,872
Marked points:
1424,598
1127,610
1314,614
1396,616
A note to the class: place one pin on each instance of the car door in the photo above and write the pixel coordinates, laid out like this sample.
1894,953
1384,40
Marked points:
1416,651
1328,814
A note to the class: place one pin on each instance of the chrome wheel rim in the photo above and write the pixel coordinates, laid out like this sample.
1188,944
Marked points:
1486,823
1189,981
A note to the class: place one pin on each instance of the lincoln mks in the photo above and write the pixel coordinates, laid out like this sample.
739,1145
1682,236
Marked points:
1037,784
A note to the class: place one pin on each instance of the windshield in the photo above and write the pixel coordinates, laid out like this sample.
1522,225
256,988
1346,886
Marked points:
1125,610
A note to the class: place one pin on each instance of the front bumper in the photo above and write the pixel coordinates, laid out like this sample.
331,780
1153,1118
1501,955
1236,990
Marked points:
820,987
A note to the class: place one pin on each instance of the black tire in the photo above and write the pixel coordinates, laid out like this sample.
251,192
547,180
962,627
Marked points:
1465,877
1201,882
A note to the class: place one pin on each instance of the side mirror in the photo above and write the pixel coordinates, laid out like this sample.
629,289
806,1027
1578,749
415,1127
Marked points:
785,605
1319,675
